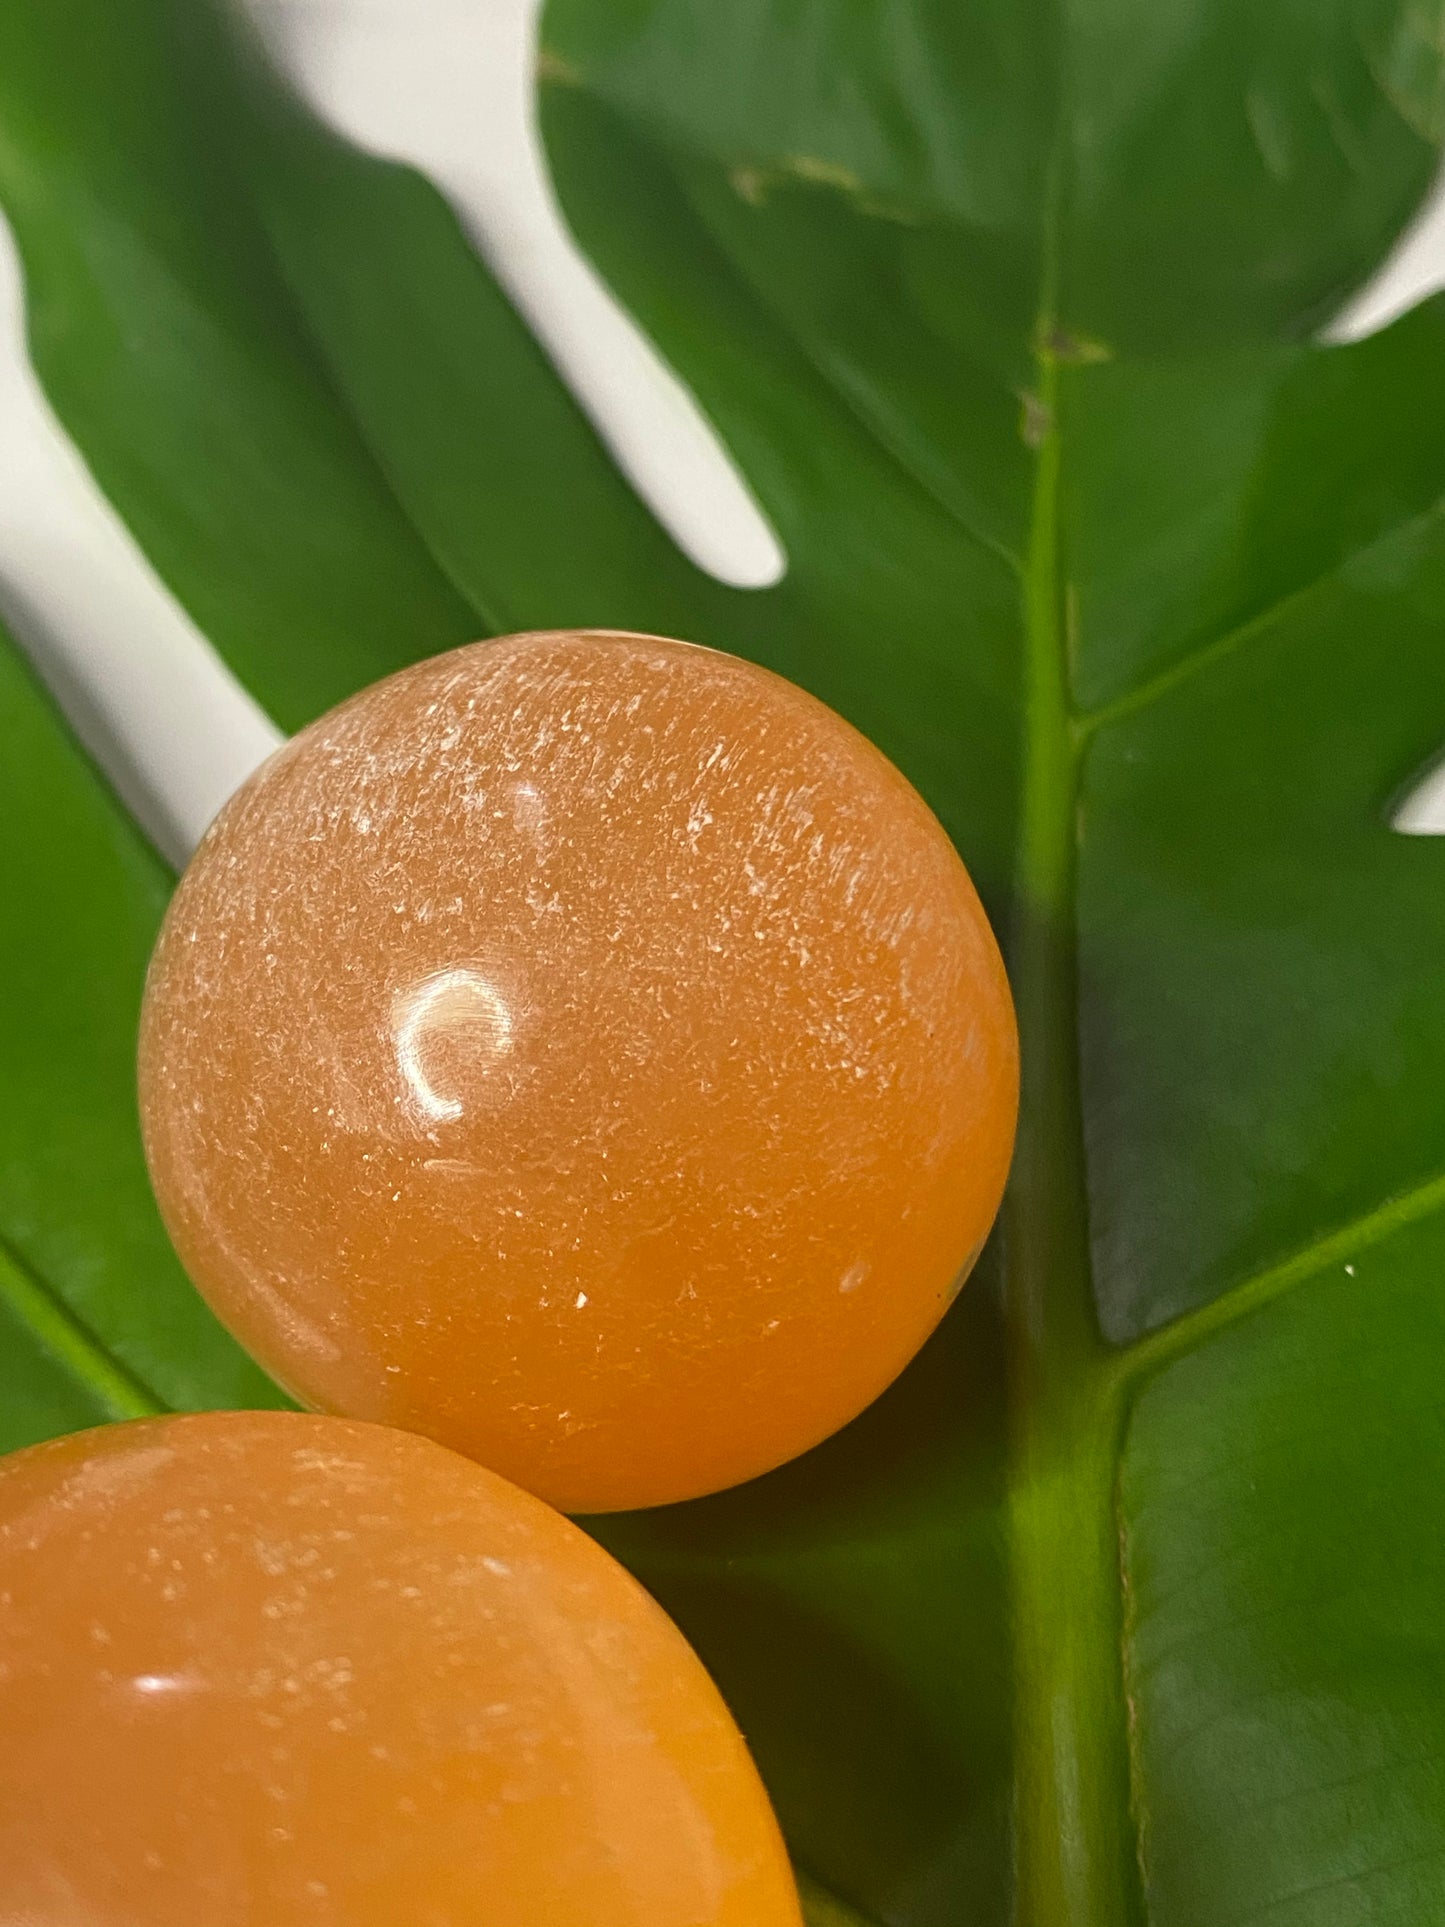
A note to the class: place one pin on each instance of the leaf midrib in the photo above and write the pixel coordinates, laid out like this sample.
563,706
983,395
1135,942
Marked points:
1074,1848
1071,1393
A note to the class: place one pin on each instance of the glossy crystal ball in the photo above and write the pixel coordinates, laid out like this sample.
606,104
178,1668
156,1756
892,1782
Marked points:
275,1670
585,1049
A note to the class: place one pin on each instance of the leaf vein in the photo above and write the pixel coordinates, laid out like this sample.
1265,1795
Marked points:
40,1310
1144,695
1194,1328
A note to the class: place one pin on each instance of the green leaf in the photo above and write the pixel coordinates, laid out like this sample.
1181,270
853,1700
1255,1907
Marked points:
97,1319
401,468
1301,1638
1123,1606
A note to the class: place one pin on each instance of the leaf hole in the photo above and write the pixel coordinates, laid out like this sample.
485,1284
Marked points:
1419,808
448,90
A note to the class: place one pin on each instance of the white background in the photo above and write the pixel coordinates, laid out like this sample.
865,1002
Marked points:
445,84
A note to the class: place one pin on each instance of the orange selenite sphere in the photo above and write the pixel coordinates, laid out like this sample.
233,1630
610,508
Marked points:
585,1049
274,1670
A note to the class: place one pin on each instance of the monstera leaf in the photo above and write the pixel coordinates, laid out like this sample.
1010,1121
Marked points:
1127,1604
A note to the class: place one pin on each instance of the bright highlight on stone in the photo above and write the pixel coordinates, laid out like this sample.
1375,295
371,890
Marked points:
269,1667
585,1049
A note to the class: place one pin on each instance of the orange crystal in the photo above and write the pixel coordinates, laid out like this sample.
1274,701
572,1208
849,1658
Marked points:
585,1049
274,1670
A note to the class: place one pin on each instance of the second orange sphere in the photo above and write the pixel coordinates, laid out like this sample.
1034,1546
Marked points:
585,1049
